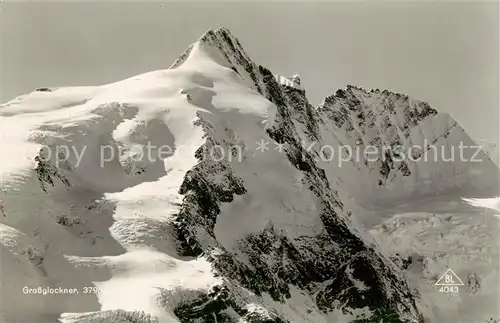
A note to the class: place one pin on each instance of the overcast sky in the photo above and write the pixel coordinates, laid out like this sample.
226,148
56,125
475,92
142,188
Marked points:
445,54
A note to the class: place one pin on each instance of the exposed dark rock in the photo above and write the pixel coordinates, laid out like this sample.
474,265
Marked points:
473,283
47,172
44,89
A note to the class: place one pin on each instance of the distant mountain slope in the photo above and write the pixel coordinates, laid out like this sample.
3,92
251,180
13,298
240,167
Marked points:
417,150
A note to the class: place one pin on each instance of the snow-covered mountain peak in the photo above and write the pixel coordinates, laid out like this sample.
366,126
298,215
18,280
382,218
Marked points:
191,194
223,43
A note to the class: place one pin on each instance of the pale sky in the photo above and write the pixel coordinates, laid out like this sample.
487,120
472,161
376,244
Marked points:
443,53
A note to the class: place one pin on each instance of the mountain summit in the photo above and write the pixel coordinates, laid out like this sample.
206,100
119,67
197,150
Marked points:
213,191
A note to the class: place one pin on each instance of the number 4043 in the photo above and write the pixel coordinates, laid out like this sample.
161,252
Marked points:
448,289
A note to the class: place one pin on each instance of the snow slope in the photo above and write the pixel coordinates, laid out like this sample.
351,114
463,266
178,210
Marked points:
446,233
150,105
192,194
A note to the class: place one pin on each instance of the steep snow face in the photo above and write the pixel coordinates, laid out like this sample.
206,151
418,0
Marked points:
193,194
489,148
